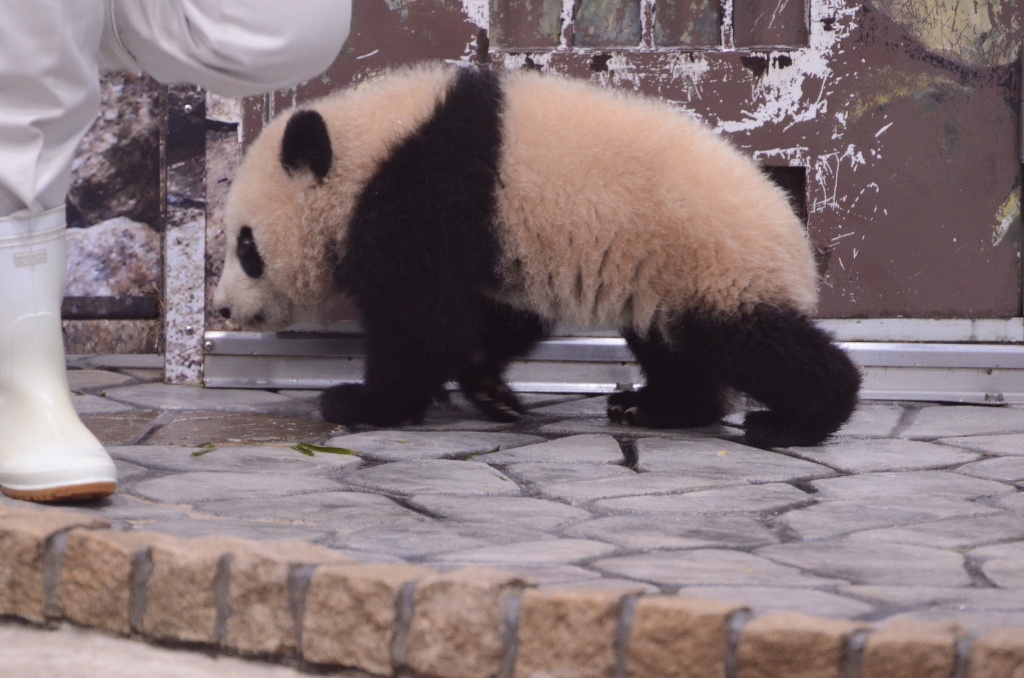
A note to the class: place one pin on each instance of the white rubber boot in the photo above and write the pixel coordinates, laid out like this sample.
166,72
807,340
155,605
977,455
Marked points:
46,453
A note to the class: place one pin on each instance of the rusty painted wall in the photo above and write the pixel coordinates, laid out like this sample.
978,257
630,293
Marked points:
903,114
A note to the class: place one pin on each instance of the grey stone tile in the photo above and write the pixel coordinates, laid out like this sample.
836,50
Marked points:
432,538
406,445
86,379
127,471
642,484
145,374
675,531
954,533
832,518
899,485
443,424
872,420
724,460
707,567
1009,443
191,527
588,407
343,512
501,511
191,488
532,553
603,425
169,397
435,476
123,428
762,599
540,473
944,421
235,458
90,404
606,583
247,428
1004,469
774,497
866,456
309,396
1003,564
1011,502
873,563
542,575
578,449
946,597
126,511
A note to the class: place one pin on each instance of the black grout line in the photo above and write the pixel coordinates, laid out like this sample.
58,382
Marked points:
299,579
623,629
53,563
964,646
154,426
511,636
221,594
736,623
142,570
404,610
853,653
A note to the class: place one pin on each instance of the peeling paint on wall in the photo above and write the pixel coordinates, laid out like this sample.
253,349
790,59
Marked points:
1007,216
980,32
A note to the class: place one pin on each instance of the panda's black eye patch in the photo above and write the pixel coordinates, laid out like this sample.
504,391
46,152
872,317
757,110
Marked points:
248,255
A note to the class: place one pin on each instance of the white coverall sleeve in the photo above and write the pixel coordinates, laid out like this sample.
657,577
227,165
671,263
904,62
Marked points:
231,47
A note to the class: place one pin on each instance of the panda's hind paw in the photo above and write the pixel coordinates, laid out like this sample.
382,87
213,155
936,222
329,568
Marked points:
767,429
491,395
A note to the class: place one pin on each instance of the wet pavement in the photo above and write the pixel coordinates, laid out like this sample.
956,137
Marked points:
911,510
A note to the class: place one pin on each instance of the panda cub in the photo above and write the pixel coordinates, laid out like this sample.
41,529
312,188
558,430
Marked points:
466,211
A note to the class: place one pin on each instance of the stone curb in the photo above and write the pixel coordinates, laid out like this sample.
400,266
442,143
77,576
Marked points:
297,602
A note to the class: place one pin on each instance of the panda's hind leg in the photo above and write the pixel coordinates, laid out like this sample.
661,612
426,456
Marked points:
780,358
680,391
506,334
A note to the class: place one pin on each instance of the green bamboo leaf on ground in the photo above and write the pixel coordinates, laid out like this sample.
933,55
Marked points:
308,449
205,449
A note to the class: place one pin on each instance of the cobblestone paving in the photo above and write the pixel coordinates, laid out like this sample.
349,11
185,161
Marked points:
913,509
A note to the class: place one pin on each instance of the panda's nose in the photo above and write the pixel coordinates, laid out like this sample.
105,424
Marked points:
225,312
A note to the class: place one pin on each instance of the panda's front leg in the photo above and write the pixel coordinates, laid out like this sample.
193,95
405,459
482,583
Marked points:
406,365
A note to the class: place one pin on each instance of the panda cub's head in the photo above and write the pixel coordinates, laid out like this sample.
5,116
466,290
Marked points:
273,267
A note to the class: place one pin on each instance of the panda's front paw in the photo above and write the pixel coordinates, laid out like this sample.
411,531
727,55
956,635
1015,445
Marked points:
491,395
344,404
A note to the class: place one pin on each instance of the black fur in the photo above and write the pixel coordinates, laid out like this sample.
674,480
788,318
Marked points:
776,355
248,255
419,258
307,145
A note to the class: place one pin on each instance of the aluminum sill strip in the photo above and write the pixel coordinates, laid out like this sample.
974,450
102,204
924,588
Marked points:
970,373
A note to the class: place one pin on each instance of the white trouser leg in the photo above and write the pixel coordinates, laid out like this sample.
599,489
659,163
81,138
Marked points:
46,453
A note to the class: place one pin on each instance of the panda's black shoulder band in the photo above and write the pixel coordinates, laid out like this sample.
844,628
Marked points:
306,144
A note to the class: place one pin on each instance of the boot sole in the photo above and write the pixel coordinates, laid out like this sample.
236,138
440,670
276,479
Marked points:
68,493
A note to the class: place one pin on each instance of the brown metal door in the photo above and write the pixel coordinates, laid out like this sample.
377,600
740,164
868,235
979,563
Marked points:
894,123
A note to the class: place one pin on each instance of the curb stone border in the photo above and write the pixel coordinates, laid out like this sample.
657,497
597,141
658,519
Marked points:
295,602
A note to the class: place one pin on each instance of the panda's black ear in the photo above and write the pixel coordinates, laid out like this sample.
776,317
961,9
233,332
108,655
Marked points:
306,145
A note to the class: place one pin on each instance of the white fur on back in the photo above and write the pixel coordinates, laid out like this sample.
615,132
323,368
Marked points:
615,208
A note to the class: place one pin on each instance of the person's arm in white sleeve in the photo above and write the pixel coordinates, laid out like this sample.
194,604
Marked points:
231,47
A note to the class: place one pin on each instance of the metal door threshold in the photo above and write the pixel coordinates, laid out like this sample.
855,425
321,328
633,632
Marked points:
968,373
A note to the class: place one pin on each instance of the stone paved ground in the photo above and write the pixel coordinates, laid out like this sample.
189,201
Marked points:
913,509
